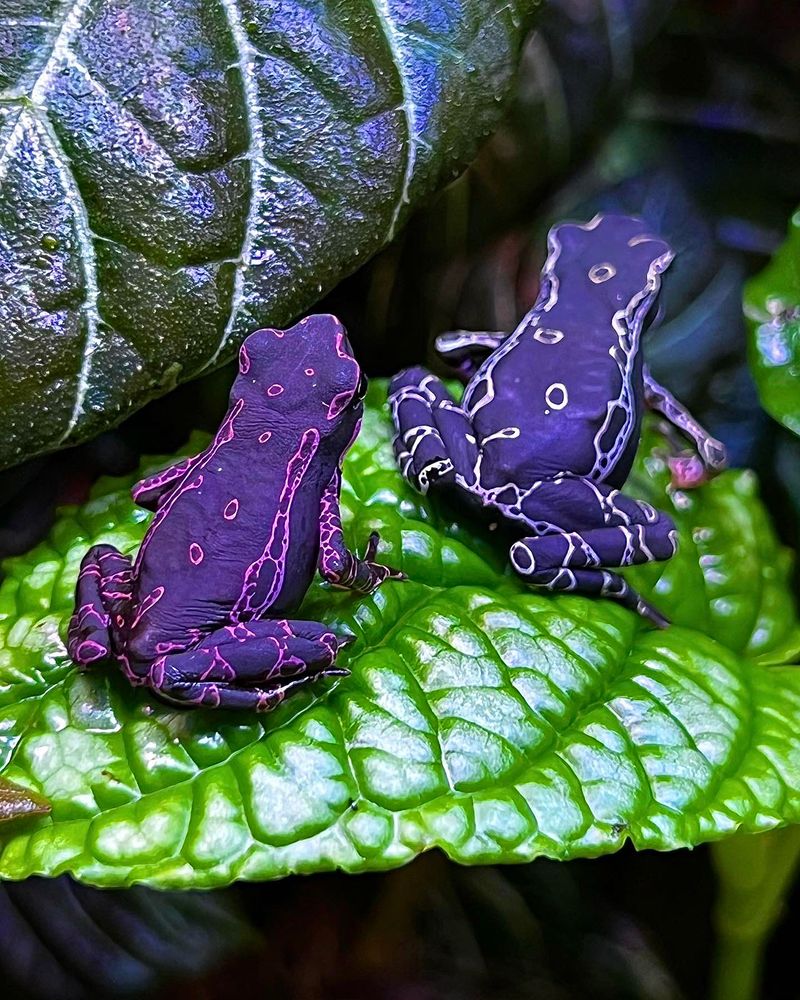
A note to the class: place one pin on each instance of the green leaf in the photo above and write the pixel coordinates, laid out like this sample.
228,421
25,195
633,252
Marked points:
175,174
772,306
483,718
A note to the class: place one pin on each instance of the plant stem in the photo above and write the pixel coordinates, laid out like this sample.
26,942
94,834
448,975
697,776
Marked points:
754,874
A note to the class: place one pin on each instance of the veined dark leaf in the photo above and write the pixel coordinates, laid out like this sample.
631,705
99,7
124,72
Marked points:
772,306
77,943
174,174
482,718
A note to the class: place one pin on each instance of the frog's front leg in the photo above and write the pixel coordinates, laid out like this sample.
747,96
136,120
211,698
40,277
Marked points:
337,564
104,588
620,531
465,350
711,457
252,665
435,441
150,491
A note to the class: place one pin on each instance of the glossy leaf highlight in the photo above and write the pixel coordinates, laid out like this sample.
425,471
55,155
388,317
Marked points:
495,723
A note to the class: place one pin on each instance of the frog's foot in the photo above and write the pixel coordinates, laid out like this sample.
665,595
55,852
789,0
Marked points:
576,562
692,469
104,586
342,568
434,439
253,665
709,457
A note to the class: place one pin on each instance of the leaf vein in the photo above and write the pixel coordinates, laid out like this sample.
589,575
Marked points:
392,36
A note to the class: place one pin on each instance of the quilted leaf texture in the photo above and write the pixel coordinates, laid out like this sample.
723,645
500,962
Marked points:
484,719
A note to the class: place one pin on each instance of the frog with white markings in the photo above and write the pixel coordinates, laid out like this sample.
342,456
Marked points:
202,616
549,423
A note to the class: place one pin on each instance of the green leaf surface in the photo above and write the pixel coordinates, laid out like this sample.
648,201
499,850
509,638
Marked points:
175,173
772,307
485,719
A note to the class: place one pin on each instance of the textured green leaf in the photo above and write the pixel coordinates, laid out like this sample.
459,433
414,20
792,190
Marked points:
772,306
174,173
483,718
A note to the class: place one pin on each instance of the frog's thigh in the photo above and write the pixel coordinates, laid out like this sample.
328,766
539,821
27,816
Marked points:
263,655
434,438
573,503
103,587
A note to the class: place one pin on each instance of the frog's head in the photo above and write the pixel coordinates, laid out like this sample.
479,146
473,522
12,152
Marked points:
305,376
613,261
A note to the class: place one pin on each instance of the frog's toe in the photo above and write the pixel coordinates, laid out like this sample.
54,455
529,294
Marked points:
213,694
715,455
651,613
378,571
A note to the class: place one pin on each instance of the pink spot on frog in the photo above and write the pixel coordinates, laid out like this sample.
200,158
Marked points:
196,554
231,509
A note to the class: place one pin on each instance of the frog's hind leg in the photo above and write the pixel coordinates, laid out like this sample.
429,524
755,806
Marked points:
577,561
585,529
103,588
434,440
252,665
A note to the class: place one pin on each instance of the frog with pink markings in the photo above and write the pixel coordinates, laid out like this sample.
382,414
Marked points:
201,616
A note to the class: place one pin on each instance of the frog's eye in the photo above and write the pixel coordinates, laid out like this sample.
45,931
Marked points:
601,272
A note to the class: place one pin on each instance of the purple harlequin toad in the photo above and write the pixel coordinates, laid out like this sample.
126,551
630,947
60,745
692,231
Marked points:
200,615
549,423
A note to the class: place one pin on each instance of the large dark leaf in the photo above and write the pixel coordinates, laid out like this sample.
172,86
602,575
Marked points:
173,174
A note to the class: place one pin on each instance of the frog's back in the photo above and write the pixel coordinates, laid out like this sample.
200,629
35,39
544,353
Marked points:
230,522
569,380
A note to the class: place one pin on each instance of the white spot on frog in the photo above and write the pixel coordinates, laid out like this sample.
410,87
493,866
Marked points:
545,336
556,396
196,554
231,509
601,272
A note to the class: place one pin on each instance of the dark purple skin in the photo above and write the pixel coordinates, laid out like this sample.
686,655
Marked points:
550,421
201,615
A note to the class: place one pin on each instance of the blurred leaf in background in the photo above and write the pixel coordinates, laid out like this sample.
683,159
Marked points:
772,305
67,941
